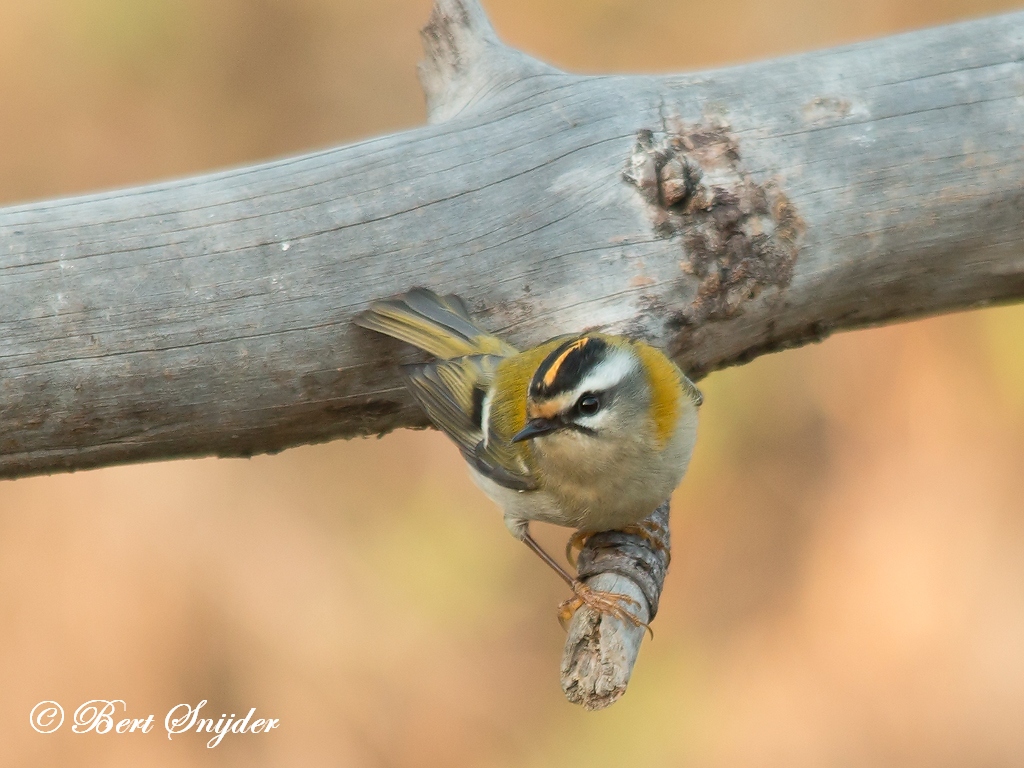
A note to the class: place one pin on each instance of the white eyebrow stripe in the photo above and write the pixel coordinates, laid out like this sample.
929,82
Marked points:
485,417
606,374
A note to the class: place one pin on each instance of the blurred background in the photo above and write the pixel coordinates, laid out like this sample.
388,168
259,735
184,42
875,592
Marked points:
847,585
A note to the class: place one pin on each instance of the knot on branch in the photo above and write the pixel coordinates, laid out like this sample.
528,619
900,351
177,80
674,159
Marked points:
738,236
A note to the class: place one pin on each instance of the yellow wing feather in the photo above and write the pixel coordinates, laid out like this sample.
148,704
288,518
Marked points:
436,324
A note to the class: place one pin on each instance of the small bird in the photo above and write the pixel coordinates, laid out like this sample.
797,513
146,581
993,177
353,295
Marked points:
590,431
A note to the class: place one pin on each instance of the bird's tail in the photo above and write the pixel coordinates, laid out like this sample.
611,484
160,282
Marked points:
436,324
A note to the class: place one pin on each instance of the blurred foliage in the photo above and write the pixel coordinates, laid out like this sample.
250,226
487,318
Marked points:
846,587
1002,334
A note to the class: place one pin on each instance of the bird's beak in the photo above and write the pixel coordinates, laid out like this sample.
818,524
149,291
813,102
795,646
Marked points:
535,428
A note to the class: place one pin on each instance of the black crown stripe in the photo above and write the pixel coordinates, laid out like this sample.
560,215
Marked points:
563,369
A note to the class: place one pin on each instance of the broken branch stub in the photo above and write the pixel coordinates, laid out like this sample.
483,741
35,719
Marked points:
601,650
465,64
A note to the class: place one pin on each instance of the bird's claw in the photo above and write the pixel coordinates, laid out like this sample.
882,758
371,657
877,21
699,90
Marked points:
575,545
610,603
648,530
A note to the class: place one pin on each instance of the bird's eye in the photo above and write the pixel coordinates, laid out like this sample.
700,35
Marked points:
588,405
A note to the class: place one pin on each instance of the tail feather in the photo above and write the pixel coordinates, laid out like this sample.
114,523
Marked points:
436,324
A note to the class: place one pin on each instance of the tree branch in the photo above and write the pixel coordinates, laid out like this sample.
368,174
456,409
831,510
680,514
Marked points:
796,197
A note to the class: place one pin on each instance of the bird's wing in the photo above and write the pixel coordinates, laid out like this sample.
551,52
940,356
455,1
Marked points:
452,394
441,325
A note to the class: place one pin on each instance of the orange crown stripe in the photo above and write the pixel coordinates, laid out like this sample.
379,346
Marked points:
552,372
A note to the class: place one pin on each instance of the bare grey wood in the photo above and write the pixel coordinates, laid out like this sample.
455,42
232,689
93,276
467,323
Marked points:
600,651
211,315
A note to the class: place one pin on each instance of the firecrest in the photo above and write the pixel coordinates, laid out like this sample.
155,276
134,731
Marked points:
590,431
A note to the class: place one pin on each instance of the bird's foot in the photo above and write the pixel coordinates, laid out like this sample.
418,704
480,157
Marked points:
609,603
648,530
575,545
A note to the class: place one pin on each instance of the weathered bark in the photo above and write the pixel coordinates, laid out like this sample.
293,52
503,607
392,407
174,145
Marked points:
720,214
211,315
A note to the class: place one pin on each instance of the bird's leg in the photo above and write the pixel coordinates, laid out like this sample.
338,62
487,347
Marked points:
538,550
649,530
603,602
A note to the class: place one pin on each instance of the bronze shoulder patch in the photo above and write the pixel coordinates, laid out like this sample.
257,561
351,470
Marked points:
666,390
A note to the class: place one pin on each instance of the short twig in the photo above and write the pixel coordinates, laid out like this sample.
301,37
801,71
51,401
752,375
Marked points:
601,650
